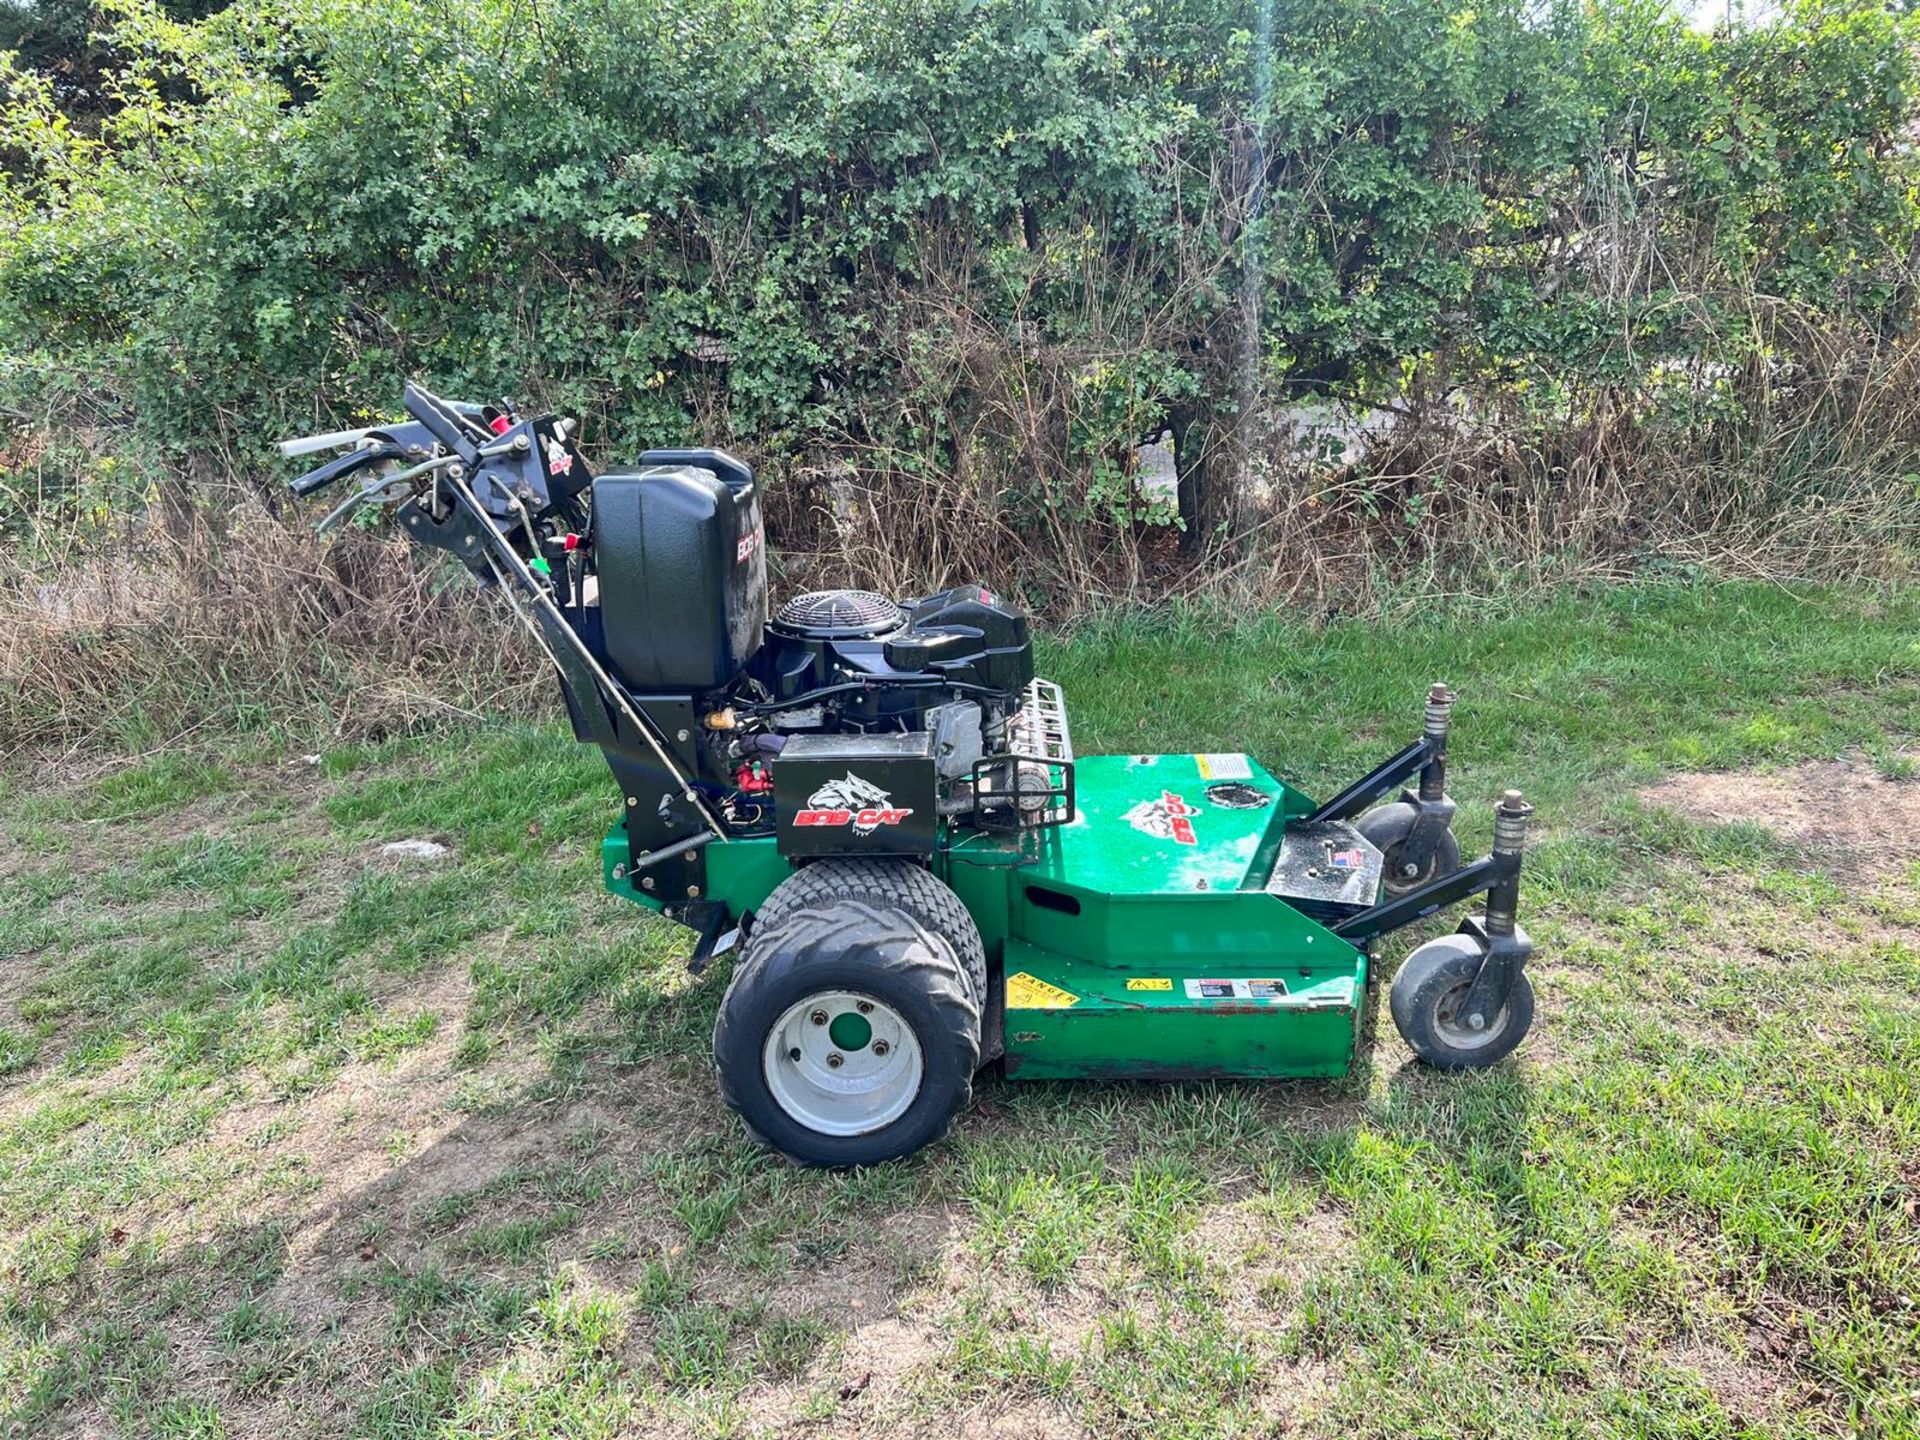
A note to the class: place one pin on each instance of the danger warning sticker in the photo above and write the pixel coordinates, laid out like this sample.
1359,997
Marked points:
1223,767
1236,989
1150,982
1030,992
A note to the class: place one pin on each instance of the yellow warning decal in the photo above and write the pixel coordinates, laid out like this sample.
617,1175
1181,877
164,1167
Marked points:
1150,983
1029,992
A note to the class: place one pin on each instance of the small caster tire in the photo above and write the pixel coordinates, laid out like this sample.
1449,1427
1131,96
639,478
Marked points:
1426,997
848,1036
1387,827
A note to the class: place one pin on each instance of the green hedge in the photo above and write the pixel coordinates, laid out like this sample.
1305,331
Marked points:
980,243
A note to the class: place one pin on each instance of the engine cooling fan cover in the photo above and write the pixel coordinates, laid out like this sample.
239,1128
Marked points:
837,615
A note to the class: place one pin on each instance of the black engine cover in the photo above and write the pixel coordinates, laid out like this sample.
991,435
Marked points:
962,636
969,635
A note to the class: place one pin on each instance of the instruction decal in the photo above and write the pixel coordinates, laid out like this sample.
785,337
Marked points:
1223,767
1150,982
1236,989
1030,992
1167,818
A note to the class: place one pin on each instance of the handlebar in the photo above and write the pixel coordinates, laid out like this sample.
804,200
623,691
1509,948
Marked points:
345,465
525,474
455,425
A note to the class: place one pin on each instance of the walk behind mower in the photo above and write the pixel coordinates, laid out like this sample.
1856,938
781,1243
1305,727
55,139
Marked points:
876,803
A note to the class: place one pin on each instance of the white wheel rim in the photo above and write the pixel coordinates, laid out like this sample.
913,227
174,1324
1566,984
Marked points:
1447,1021
828,1083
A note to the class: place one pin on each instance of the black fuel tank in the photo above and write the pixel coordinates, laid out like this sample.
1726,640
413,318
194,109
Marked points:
681,560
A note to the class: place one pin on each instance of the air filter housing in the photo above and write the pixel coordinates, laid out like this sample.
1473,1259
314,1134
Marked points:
837,615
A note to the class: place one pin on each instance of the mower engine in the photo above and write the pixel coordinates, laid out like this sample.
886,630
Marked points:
887,717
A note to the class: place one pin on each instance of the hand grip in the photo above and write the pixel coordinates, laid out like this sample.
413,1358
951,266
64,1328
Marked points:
343,466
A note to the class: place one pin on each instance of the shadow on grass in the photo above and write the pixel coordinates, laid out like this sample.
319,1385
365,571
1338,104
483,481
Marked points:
1478,1123
597,1237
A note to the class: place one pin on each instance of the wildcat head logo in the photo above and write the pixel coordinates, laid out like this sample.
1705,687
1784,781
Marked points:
851,801
1167,818
559,458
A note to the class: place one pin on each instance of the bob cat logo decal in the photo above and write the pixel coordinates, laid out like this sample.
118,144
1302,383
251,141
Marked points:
851,801
1167,818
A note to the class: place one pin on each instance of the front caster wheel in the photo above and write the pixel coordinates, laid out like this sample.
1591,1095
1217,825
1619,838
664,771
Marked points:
1389,828
1428,999
848,1036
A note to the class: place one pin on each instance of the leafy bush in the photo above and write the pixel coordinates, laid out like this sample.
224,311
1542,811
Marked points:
1560,278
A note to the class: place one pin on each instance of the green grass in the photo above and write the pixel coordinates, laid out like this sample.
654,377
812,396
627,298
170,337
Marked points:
296,1141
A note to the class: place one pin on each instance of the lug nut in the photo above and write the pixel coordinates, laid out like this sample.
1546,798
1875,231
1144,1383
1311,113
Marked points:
835,1061
880,1047
819,1017
865,1007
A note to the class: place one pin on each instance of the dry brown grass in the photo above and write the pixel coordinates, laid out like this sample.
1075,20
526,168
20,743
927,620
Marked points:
228,616
1794,465
256,625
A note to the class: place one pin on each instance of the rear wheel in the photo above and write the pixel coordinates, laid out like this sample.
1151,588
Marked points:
890,885
1388,827
848,1036
1428,1000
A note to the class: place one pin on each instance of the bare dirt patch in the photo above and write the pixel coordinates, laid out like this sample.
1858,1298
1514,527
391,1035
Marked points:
1017,1419
1843,811
1750,1388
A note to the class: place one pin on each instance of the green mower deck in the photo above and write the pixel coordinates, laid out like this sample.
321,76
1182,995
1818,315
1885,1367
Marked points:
1138,940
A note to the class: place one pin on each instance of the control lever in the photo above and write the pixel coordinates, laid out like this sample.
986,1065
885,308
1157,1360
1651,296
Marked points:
344,466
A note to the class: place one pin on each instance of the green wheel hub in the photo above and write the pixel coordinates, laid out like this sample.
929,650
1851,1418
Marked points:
850,1030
